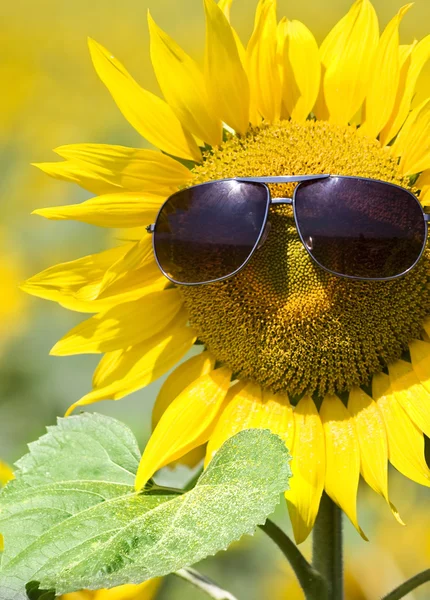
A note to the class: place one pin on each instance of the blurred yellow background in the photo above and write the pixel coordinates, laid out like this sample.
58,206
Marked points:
50,97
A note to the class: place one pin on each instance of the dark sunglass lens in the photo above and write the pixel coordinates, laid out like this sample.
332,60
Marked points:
361,228
208,231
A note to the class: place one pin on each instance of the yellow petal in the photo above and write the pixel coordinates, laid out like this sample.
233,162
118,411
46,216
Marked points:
405,51
372,438
275,413
241,51
129,285
248,408
127,209
342,457
183,86
139,365
263,73
62,282
6,473
281,34
347,55
413,141
144,591
82,595
420,357
122,326
182,377
119,168
107,366
412,396
225,6
405,440
423,184
149,115
302,70
134,275
226,79
186,423
74,274
139,255
308,468
426,326
69,301
412,66
384,81
225,427
74,172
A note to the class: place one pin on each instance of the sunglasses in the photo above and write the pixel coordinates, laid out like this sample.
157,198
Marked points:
351,226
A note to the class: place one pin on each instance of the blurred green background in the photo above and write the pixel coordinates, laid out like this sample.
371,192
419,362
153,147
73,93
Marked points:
50,97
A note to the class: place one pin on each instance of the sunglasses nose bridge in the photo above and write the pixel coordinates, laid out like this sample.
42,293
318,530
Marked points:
268,225
281,201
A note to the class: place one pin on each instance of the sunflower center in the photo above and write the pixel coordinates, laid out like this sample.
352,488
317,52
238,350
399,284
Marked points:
284,322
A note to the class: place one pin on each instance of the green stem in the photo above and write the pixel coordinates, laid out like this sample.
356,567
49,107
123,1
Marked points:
204,584
312,583
408,586
327,551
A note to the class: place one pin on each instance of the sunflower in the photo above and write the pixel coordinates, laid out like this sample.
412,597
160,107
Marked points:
340,369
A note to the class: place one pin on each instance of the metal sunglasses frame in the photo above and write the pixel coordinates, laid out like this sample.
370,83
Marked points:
279,179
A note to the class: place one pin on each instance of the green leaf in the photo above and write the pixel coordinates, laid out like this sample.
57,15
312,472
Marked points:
71,519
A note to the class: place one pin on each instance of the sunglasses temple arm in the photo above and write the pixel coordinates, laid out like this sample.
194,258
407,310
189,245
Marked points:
150,228
426,217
